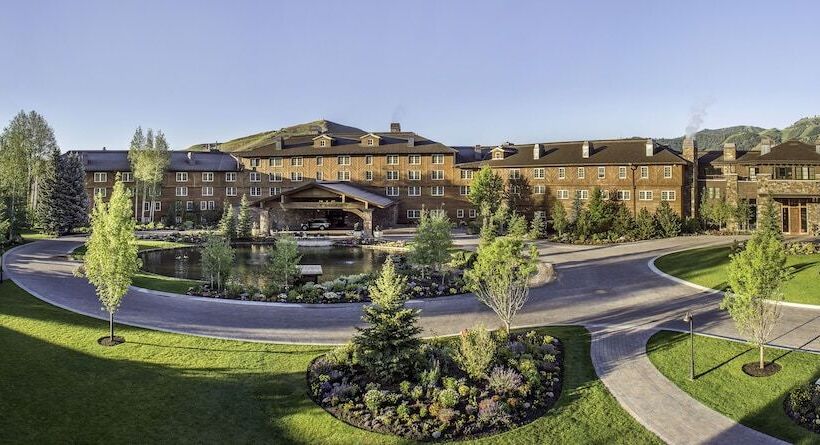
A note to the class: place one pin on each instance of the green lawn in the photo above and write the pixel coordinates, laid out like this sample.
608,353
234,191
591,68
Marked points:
56,382
756,402
142,244
707,267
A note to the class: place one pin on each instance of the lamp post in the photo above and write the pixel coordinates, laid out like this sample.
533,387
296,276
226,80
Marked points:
689,318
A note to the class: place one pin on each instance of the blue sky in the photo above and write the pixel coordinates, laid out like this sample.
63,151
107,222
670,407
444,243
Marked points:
462,72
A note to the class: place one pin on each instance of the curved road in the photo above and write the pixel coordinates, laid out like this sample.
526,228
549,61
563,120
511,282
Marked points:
609,289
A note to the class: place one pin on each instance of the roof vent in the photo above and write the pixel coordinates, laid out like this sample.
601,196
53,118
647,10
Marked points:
650,148
585,150
536,151
411,142
395,127
190,156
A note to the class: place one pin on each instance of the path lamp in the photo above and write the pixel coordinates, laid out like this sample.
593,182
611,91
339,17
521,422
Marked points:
689,318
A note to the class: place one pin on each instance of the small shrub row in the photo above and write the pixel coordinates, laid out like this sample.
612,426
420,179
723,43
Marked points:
803,406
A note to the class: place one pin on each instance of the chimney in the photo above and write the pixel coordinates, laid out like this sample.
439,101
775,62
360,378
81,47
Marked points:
817,146
765,146
190,157
103,148
411,142
690,149
729,151
536,151
278,143
395,127
650,148
477,152
585,150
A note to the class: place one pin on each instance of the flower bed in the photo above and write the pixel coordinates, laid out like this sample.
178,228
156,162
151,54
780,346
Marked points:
523,379
803,406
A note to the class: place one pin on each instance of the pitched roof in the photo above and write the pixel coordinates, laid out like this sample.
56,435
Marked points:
346,188
117,161
602,152
787,152
344,144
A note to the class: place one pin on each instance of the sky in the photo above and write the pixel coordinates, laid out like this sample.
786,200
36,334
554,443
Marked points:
459,72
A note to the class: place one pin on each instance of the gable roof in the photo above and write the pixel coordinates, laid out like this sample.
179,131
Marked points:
350,144
787,152
346,188
117,161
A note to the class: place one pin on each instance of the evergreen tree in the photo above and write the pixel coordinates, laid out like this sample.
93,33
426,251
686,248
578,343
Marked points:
623,224
388,347
598,216
669,222
433,241
227,225
645,225
63,200
283,264
111,252
517,226
5,224
559,218
243,221
769,221
519,196
577,209
48,208
538,226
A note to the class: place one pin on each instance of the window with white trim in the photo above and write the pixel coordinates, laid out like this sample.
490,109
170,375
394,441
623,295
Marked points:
368,160
414,159
621,172
753,173
437,190
368,175
605,195
273,191
320,176
127,177
437,159
392,175
275,177
437,175
256,191
296,176
437,212
297,161
515,173
181,191
464,190
645,195
100,191
414,175
563,194
644,172
203,205
667,171
275,162
459,213
562,173
100,177
343,175
322,143
189,206
207,176
413,214
498,154
255,162
582,194
581,172
391,191
601,172
344,160
467,174
157,206
230,191
539,189
230,177
392,160
413,190
624,195
211,205
255,177
207,191
538,173
472,213
668,195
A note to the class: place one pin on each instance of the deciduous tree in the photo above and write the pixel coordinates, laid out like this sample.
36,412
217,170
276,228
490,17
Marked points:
486,191
433,241
217,257
283,263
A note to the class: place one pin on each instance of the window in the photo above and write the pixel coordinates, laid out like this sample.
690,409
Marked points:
256,191
100,177
230,177
413,214
582,194
230,191
515,173
322,143
540,189
343,175
99,191
275,177
753,173
460,213
157,206
392,160
392,175
255,162
438,159
605,195
437,190
368,160
498,155
189,206
538,173
437,175
414,159
414,175
391,191
621,172
464,190
804,172
181,191
467,174
414,190
297,161
515,190
344,160
562,173
624,195
563,194
274,191
582,172
472,213
207,191
645,195
203,205
644,172
668,195
320,161
255,176
437,212
296,176
601,172
667,171
713,192
275,162
320,176
368,175
369,141
127,177
207,176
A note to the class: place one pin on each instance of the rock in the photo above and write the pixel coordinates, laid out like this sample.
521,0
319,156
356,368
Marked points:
436,434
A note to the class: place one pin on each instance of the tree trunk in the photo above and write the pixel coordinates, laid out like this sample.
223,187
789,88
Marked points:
507,327
111,326
762,363
142,210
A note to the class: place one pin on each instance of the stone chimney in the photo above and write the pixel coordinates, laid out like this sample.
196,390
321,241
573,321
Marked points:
650,148
536,151
690,149
585,150
278,143
395,127
765,146
729,151
477,152
817,146
411,142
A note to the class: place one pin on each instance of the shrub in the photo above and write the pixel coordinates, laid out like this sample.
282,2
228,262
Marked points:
341,355
448,398
488,411
504,380
669,222
476,351
429,377
403,411
373,400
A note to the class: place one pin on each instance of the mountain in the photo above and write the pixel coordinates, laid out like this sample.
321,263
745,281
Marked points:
747,137
252,141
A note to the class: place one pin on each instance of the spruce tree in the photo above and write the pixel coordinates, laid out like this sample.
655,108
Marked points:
243,221
669,222
387,348
63,199
538,226
645,225
559,218
48,208
227,225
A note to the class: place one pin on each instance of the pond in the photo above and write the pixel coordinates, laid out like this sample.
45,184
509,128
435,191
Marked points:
251,260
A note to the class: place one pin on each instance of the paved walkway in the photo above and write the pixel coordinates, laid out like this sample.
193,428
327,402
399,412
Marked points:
608,289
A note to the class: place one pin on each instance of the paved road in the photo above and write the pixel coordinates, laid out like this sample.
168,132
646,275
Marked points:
609,289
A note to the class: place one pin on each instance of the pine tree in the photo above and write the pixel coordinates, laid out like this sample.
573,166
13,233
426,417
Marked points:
538,226
623,224
73,197
769,221
243,221
48,208
559,218
669,222
227,225
645,225
388,347
517,226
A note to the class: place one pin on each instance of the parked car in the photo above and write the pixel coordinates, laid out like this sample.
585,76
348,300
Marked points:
316,224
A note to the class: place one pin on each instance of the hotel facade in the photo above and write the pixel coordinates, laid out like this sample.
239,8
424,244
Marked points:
387,178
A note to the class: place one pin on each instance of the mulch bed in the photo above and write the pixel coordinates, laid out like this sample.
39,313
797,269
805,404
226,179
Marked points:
108,341
753,369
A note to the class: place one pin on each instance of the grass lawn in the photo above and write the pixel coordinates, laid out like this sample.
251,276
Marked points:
56,383
756,402
707,267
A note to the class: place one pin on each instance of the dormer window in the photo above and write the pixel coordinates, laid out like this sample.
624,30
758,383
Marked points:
369,140
322,143
498,155
322,140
